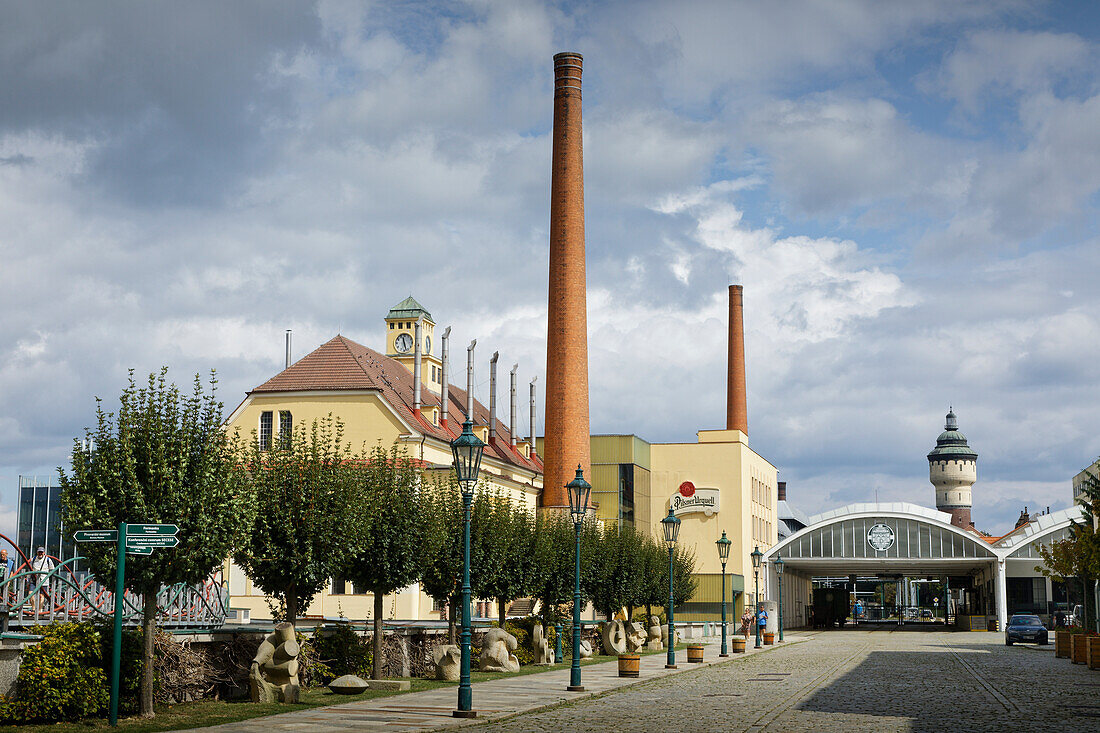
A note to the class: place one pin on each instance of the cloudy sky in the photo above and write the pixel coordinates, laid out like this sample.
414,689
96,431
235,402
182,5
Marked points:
907,191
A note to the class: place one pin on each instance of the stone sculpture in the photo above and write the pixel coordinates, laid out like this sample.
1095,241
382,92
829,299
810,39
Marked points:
349,684
635,637
496,652
586,649
613,637
273,676
448,661
541,643
656,634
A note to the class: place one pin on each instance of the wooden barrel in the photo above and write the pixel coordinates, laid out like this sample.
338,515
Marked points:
695,652
629,665
769,638
738,645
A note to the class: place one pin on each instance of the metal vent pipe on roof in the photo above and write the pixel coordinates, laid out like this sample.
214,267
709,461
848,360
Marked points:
470,380
512,416
287,349
444,390
493,394
532,438
416,364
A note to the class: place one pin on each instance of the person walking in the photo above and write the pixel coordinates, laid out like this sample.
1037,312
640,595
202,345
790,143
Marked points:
41,565
746,622
762,619
7,570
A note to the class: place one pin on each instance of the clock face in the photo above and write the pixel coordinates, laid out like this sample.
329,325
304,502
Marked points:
427,344
403,343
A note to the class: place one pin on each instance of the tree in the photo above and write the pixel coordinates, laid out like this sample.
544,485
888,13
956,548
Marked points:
512,541
614,576
306,505
389,541
552,574
443,545
654,588
164,458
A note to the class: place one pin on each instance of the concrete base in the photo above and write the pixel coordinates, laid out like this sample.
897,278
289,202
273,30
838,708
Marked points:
671,666
577,688
463,713
389,685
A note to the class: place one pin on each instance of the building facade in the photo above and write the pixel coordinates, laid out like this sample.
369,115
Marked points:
379,398
39,523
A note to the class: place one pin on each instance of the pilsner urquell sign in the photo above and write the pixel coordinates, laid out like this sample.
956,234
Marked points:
689,499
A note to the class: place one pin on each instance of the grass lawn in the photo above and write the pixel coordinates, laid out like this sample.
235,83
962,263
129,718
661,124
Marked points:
214,712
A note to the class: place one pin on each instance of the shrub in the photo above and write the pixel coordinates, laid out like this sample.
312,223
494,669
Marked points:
60,678
129,692
339,651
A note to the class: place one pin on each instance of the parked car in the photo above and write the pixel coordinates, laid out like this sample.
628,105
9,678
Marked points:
1023,627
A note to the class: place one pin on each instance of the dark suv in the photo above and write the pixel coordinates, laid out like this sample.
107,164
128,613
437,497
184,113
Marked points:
1025,628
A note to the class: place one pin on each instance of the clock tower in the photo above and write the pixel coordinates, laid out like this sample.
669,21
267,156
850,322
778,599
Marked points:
400,341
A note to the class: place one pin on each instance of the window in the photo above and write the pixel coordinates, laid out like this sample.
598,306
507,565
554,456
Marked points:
391,325
285,423
265,430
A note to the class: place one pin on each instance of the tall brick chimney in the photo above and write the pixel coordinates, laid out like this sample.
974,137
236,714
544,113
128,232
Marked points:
566,443
737,411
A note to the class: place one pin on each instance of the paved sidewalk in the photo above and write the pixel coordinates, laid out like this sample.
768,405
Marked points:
494,699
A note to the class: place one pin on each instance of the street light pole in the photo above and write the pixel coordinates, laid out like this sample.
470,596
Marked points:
467,449
779,574
578,490
670,527
723,554
757,557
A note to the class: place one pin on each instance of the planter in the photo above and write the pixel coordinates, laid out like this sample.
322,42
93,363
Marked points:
1061,644
738,645
1092,652
629,665
695,652
769,638
1077,648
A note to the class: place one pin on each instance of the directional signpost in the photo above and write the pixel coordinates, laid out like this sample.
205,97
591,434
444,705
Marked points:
132,539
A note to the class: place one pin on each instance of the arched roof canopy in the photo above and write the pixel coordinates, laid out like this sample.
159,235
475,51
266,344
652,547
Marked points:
911,540
1023,544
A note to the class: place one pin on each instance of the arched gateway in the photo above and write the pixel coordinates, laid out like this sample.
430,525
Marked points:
902,540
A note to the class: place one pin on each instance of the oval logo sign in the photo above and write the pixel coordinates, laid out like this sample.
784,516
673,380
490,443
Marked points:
880,537
687,489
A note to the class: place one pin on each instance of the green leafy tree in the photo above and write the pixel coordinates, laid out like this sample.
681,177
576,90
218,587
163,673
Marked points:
614,574
553,566
389,542
684,582
164,458
441,578
654,586
512,544
307,503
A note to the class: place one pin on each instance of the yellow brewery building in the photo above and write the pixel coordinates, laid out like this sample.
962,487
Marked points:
387,397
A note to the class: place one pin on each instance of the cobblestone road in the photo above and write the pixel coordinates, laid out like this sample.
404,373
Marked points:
852,681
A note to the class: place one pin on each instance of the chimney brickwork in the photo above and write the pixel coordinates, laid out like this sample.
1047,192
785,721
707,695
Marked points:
737,412
567,429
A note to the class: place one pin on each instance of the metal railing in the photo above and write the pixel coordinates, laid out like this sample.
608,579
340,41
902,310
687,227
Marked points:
33,597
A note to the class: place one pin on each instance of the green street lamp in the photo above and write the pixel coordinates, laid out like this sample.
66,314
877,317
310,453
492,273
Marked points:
757,558
467,449
579,489
670,528
723,555
778,565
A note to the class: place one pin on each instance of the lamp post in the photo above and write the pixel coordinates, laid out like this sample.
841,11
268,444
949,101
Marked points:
723,555
778,564
670,527
757,557
579,489
467,449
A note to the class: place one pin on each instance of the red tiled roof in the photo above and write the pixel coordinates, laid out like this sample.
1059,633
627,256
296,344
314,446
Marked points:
342,364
